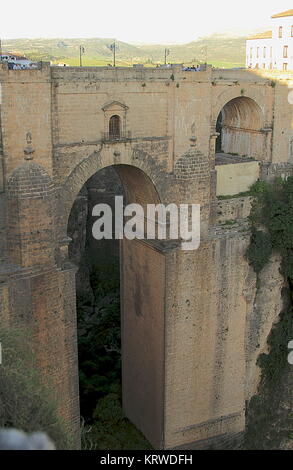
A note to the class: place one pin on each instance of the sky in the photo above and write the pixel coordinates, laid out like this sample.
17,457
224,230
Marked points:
134,21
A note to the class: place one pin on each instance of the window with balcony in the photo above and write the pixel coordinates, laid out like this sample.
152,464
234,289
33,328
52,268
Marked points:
115,114
114,127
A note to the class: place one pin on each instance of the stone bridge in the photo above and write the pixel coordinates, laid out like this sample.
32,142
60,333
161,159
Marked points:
193,322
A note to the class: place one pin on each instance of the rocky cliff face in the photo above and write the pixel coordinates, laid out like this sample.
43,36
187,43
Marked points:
264,307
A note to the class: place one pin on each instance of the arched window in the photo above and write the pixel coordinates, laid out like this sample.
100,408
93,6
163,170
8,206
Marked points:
114,127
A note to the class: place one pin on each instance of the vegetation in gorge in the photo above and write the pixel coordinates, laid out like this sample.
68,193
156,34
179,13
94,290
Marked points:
271,218
25,403
99,338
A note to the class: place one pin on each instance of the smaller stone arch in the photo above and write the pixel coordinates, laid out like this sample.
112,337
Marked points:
232,93
242,112
240,128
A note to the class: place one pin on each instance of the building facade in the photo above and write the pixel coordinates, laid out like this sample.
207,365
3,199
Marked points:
273,49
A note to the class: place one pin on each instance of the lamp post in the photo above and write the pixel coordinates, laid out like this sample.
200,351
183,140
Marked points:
81,51
112,47
167,52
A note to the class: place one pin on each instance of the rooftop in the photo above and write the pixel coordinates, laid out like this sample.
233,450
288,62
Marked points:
264,35
284,13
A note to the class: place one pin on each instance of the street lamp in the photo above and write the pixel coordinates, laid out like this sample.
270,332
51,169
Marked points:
167,52
81,51
113,48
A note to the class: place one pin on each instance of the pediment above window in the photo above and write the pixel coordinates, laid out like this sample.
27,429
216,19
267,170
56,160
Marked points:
114,105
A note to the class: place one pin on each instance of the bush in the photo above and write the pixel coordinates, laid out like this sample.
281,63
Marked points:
25,404
111,429
259,250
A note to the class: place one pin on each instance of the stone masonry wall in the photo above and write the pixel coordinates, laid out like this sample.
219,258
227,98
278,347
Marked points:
200,316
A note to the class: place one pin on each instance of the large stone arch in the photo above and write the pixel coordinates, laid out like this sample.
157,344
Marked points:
112,155
142,279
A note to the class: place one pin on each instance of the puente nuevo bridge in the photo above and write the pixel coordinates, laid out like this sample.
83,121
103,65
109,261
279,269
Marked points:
193,322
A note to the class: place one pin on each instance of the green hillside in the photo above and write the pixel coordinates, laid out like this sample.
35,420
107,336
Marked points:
219,50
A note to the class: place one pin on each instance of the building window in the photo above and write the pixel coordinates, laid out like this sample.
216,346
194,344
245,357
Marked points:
251,52
257,52
264,52
285,66
292,31
271,66
263,66
280,31
256,66
114,127
285,52
271,51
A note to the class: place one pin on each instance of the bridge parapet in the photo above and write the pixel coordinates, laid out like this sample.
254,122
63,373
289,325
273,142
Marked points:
118,74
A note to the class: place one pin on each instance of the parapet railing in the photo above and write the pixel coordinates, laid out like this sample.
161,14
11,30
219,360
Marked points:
121,136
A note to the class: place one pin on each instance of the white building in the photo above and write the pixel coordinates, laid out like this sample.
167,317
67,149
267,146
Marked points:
272,49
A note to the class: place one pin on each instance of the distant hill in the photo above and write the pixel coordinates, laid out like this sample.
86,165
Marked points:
218,49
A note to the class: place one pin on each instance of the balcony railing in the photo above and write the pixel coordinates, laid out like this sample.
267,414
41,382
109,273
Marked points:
122,136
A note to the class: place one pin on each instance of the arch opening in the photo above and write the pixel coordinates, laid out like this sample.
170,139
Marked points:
120,299
239,125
